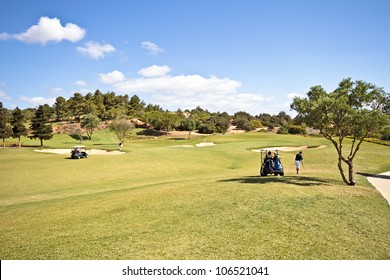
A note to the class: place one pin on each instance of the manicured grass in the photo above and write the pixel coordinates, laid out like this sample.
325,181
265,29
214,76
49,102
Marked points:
164,202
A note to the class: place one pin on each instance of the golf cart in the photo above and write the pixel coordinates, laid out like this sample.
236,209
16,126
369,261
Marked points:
271,164
78,152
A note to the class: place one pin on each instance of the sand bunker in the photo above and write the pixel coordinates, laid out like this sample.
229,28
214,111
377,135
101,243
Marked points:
203,144
288,149
90,152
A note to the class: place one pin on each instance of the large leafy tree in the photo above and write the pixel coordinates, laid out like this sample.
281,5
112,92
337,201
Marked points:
19,128
39,125
162,120
5,128
121,128
90,123
355,110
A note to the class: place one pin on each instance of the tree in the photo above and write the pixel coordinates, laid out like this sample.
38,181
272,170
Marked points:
39,127
162,120
77,105
61,108
5,128
89,123
135,106
189,125
121,128
18,125
354,109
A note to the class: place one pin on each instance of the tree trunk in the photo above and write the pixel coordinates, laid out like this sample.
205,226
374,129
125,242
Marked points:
350,181
350,174
340,166
3,143
41,142
19,142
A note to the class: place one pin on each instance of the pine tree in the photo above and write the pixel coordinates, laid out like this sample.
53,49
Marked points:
5,128
18,125
40,128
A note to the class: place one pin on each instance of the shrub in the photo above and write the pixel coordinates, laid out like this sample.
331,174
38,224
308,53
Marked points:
282,130
296,129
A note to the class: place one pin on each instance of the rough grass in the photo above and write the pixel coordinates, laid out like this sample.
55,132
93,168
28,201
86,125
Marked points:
160,202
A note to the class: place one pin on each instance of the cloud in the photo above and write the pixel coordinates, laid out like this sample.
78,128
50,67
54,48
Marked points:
48,29
95,50
188,91
155,71
80,83
4,96
38,100
112,77
181,84
152,48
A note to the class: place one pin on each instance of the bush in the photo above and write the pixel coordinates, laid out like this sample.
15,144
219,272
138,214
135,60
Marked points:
296,129
385,135
282,130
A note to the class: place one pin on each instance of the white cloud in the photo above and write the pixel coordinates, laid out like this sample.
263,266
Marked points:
95,50
155,71
38,100
48,29
188,91
80,83
112,77
4,96
152,47
182,84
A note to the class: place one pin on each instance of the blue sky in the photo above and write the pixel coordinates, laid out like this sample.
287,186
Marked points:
232,55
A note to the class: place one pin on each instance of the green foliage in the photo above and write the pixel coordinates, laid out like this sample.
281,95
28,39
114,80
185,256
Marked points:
5,127
39,127
282,130
162,120
90,123
18,121
121,128
355,109
385,134
296,129
243,123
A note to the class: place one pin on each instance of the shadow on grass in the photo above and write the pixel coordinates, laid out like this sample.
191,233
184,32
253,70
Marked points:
381,176
293,180
79,137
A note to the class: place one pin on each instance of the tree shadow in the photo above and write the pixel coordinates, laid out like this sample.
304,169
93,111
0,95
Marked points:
77,137
381,176
151,132
293,180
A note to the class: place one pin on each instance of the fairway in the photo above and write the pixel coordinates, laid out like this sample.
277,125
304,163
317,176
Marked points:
169,199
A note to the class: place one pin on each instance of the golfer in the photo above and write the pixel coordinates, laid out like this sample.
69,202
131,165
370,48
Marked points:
298,160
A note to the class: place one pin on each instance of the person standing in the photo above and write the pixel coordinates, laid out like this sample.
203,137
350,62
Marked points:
298,161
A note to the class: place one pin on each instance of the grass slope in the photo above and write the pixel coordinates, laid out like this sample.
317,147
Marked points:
164,202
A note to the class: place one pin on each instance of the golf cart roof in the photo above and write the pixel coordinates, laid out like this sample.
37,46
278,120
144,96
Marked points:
78,147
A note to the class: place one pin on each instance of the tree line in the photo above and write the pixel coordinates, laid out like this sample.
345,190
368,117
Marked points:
91,109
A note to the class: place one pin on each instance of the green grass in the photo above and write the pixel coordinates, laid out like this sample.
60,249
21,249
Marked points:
161,202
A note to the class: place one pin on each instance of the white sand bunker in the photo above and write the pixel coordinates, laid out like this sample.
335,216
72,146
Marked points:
90,152
203,144
288,149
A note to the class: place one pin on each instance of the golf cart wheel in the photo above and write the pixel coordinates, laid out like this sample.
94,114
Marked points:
282,174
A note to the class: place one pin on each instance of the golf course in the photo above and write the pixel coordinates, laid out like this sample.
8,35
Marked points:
169,198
